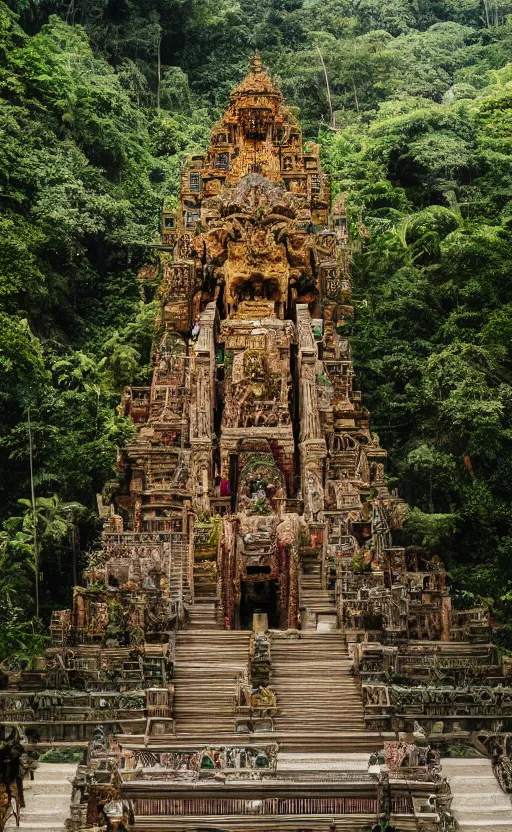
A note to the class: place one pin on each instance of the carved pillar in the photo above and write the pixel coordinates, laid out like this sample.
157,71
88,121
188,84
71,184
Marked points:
307,359
446,617
203,399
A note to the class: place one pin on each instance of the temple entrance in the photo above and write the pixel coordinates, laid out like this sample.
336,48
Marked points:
258,596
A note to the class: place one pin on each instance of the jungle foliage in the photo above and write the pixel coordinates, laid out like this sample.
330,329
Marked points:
100,99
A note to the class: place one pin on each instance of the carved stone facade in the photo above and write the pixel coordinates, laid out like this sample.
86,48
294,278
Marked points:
253,497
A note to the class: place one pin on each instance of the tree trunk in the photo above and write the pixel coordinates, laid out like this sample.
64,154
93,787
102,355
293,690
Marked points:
34,517
158,69
329,99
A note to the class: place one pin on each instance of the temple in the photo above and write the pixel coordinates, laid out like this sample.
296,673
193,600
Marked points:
252,646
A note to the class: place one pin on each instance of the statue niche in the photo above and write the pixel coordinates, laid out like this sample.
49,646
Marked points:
260,487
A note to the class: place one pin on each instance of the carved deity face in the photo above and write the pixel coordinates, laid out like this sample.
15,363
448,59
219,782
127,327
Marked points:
257,269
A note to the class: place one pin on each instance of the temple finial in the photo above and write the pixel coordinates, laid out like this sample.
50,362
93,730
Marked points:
256,65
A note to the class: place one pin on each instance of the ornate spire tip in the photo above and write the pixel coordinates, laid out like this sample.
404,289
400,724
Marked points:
256,65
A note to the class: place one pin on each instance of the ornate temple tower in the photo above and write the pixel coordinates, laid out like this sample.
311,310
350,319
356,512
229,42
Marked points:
251,422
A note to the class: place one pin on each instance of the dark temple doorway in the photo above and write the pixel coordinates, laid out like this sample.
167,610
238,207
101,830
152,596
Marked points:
258,596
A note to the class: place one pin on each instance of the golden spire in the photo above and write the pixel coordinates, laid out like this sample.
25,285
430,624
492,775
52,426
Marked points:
256,65
257,80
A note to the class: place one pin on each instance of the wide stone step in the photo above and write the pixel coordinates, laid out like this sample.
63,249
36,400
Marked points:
293,695
318,712
39,826
320,823
335,696
47,798
315,593
315,722
335,707
185,708
208,648
327,675
285,672
54,815
326,761
485,826
290,741
206,714
317,715
314,638
483,783
211,650
316,731
226,635
214,654
191,664
314,689
478,804
337,665
54,773
293,692
49,787
309,647
189,686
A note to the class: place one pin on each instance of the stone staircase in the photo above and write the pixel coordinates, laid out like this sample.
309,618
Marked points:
479,804
319,705
47,799
178,581
325,761
208,663
202,615
314,600
316,694
269,823
205,584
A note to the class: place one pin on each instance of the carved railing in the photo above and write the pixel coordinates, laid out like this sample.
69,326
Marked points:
212,806
18,707
443,701
207,760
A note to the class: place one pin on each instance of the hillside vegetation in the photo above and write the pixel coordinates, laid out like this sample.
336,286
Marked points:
100,100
